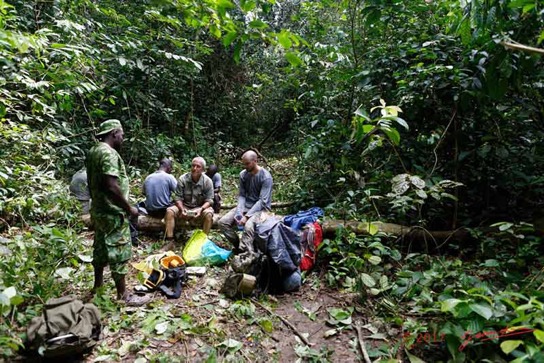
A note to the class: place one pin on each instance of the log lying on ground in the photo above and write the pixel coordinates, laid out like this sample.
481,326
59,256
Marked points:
274,205
330,226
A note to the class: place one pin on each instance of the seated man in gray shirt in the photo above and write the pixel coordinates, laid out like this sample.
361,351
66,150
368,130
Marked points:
158,188
255,196
80,189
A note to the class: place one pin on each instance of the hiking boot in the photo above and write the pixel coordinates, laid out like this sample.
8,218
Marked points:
136,300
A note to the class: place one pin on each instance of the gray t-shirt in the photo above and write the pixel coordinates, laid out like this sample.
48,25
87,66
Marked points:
216,179
255,192
158,188
79,187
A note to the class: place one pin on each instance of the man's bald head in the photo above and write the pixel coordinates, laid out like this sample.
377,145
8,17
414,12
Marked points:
249,159
250,155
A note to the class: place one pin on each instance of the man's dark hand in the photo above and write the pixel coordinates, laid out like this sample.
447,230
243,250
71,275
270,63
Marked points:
134,212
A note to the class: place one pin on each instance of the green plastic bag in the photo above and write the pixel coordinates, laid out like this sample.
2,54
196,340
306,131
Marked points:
199,251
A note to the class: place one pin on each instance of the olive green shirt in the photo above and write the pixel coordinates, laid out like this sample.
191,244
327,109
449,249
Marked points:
104,160
194,194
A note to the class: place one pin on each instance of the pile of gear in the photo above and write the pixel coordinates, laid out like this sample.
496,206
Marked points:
283,249
165,273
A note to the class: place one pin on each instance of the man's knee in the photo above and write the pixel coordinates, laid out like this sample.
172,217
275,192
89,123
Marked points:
223,223
170,214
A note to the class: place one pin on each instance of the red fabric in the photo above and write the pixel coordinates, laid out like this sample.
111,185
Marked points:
309,256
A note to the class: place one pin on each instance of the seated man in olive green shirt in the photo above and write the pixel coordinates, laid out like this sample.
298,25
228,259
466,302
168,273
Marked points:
193,200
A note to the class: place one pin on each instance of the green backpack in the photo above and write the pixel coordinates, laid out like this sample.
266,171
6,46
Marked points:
67,328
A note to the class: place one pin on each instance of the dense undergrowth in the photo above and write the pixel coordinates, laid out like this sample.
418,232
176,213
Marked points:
321,99
479,302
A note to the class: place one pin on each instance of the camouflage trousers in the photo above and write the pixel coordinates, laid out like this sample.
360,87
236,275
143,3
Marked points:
111,243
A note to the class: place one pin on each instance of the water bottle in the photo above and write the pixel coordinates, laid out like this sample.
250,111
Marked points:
238,218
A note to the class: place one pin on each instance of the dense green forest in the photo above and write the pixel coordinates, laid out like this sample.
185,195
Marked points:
427,114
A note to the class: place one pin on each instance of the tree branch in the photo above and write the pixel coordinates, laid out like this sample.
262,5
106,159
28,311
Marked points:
521,47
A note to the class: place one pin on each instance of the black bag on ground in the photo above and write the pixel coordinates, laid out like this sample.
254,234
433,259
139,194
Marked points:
171,286
67,328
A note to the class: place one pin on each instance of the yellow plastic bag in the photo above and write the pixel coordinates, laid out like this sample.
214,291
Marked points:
199,250
192,252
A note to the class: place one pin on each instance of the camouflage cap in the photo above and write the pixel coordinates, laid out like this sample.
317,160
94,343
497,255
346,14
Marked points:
108,126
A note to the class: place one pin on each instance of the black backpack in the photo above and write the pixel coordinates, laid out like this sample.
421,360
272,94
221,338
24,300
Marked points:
67,328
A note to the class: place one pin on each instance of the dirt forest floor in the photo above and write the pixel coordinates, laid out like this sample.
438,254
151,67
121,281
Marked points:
205,326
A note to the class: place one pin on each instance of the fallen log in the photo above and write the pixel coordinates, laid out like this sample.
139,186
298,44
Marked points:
274,205
330,226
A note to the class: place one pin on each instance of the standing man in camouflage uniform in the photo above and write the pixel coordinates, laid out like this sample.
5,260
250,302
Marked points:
108,184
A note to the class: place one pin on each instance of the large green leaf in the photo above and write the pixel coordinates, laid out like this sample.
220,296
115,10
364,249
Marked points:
510,345
284,39
247,5
483,310
392,134
293,59
258,24
450,304
368,280
229,38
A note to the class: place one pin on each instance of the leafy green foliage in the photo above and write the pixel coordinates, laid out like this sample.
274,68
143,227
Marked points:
306,77
37,265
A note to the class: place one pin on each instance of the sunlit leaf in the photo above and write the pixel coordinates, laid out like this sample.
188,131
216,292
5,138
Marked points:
284,40
231,344
368,280
449,304
10,292
267,325
258,24
372,228
339,314
482,310
229,38
539,334
509,345
85,258
64,272
247,5
505,226
421,193
412,358
161,327
392,134
293,59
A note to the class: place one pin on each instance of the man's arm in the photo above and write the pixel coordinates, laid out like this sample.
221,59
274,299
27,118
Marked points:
114,192
241,195
178,196
217,185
